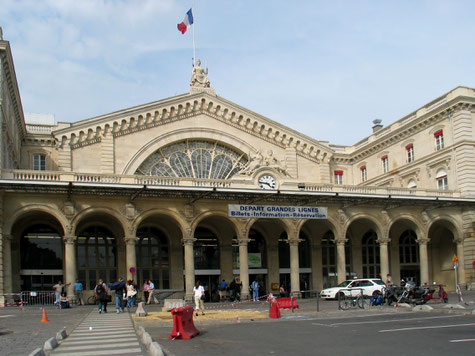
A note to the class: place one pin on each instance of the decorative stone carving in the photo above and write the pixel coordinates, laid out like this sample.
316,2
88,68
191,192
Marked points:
69,209
130,211
69,239
258,160
425,216
342,216
422,241
199,76
189,212
384,241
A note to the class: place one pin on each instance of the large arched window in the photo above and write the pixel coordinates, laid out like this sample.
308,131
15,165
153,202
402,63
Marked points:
284,251
195,159
152,257
256,249
409,257
408,248
329,260
41,258
41,247
370,255
206,249
97,255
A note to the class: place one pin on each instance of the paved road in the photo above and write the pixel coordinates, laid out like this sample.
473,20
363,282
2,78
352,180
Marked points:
102,334
359,334
21,331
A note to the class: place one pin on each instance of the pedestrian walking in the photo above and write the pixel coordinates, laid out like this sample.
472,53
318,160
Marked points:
78,292
120,294
199,295
145,288
131,294
255,290
102,296
151,291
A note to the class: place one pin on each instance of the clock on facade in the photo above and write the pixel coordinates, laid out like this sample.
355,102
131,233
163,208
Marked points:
266,181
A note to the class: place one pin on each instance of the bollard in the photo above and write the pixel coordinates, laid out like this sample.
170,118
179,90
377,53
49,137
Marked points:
183,326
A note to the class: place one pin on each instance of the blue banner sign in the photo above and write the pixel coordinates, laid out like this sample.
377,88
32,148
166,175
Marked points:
277,212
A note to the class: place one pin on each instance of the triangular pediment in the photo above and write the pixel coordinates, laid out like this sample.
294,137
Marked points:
187,107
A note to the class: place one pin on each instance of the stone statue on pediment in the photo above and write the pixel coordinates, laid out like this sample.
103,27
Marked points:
258,160
199,76
255,161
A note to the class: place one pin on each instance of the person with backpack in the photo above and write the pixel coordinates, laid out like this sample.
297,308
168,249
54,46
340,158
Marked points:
101,295
255,290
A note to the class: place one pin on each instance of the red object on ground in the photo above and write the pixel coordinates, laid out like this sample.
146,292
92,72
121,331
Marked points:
183,326
285,303
274,311
44,318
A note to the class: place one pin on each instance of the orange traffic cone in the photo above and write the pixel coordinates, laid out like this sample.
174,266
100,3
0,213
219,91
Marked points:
45,318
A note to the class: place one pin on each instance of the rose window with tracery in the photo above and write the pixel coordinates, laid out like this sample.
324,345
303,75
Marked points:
194,159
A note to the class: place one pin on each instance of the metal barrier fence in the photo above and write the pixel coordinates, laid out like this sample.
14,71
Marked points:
38,298
11,300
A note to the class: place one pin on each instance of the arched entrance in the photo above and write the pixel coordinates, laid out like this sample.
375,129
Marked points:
41,255
442,249
370,255
37,252
99,248
409,257
152,253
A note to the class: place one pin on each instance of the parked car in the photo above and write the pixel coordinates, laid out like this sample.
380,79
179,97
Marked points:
353,287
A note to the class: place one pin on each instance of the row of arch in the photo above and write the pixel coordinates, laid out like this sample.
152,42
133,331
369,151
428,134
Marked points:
100,246
339,223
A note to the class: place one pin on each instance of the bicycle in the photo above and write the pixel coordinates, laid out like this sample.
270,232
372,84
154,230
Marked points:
346,302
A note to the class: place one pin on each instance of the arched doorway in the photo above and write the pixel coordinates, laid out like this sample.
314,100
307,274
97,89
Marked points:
152,253
409,257
207,260
442,250
370,255
41,257
96,255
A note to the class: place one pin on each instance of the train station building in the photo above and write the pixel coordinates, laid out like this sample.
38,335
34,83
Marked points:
196,186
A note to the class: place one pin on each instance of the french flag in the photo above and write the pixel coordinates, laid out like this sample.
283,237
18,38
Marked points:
187,21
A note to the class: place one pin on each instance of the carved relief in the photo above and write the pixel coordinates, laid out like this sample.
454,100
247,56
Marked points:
258,160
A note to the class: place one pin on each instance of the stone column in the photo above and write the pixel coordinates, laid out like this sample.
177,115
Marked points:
294,268
130,257
461,269
7,263
189,267
70,265
340,260
244,267
423,260
384,257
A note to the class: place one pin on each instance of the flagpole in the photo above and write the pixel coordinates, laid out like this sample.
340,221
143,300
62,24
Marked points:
194,54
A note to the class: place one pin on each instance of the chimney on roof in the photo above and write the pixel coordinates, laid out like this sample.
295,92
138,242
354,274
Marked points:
377,125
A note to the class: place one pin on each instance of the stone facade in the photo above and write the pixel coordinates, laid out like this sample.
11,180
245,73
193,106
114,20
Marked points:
150,186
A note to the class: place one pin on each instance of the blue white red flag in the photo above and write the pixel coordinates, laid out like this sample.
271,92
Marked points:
187,21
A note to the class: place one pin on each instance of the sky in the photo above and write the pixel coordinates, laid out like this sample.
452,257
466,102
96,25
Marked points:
324,68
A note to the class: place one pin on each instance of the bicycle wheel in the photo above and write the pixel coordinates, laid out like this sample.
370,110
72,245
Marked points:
92,300
344,302
361,302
